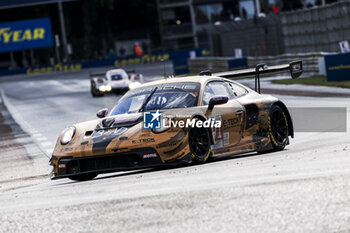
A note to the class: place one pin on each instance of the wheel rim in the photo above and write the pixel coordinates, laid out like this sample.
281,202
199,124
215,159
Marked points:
199,142
279,127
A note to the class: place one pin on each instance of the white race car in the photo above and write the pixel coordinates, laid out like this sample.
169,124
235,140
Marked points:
116,80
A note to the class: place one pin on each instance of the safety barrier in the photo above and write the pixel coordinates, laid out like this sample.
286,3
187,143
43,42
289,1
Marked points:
313,63
338,67
179,57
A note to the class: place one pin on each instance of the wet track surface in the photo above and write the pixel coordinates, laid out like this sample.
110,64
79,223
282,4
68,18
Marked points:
304,188
17,155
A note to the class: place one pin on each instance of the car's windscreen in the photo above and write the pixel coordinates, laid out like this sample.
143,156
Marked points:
116,77
167,96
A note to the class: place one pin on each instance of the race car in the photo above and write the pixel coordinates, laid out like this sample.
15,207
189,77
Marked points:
176,121
115,80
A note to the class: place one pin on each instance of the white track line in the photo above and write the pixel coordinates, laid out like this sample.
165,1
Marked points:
30,130
46,144
41,139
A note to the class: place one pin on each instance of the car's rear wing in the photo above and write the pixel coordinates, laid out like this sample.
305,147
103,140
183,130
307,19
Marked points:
295,68
97,75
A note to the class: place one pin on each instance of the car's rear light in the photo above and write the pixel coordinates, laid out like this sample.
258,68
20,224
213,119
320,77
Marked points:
100,80
137,77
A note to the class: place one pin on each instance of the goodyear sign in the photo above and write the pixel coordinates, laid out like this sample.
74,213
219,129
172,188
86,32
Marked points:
338,67
27,34
120,62
141,60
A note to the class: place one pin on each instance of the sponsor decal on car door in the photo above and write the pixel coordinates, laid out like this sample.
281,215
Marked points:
231,116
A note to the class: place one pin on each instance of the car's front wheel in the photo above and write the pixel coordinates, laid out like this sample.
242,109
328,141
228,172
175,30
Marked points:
278,128
84,177
94,91
199,142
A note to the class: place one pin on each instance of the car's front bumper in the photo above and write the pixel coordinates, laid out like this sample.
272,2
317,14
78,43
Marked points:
135,159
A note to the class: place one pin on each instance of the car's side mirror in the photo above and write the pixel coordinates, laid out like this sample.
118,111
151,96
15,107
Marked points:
102,113
216,100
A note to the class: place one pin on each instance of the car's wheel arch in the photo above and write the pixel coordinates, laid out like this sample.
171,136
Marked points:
289,118
203,118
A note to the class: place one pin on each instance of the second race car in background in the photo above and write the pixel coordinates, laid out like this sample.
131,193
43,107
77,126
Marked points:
114,81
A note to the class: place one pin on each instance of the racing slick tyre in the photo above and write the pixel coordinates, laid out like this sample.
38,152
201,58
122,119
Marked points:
199,142
84,177
278,128
96,93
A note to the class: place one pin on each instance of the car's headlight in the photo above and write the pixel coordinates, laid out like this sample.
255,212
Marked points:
164,125
105,88
133,85
67,135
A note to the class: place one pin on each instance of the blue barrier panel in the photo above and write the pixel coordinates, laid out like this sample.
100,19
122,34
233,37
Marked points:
180,66
179,59
186,53
97,63
237,63
118,62
27,34
132,60
68,67
12,72
338,67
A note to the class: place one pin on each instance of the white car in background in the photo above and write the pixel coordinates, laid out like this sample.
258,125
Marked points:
114,81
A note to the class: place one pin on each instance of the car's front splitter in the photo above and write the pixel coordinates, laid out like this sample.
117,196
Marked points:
135,159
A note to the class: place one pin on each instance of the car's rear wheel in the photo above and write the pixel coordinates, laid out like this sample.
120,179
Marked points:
84,177
199,142
278,128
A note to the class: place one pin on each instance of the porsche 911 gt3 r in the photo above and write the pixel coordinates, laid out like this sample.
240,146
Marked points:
143,130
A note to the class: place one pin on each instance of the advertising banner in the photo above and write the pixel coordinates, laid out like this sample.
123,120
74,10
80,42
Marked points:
338,67
26,34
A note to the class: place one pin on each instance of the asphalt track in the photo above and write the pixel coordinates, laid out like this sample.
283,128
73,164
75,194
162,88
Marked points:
304,188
